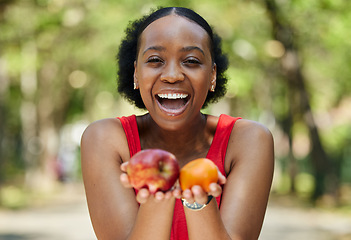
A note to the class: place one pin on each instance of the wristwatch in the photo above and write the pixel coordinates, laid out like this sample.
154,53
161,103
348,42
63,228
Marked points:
196,206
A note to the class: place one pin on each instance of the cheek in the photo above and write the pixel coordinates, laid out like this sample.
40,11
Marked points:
146,77
145,89
146,98
202,81
200,92
146,84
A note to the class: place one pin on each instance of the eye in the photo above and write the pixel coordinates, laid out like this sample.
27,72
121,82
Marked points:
154,60
192,61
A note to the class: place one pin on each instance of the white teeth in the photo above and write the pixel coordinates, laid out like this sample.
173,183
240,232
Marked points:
172,95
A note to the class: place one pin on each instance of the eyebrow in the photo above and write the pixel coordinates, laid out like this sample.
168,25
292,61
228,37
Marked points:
157,48
184,49
190,48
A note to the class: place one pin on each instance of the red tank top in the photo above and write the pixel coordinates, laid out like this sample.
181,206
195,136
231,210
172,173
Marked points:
216,153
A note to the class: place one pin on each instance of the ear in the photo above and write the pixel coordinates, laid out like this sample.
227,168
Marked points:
213,78
135,78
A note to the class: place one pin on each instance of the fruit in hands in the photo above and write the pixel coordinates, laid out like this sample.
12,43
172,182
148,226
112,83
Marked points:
201,171
154,169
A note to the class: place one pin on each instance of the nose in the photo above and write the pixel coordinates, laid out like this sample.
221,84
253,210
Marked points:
172,73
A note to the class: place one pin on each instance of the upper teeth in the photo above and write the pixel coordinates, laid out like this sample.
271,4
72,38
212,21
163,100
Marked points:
172,95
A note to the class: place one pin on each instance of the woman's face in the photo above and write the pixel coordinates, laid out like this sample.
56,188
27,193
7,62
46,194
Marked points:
174,70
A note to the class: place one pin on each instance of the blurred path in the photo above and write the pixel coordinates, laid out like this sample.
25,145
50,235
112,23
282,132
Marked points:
292,223
65,218
68,219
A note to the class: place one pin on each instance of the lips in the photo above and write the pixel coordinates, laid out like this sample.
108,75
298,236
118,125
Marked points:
172,103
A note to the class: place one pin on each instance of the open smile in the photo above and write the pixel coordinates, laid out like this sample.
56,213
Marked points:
173,103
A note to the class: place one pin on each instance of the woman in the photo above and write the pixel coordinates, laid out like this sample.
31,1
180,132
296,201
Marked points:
171,64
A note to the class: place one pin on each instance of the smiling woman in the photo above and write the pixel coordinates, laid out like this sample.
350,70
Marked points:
171,64
131,45
174,61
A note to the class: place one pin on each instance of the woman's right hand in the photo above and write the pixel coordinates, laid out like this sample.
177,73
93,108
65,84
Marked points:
124,176
143,195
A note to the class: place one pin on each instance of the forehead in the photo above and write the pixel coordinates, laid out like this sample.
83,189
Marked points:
174,29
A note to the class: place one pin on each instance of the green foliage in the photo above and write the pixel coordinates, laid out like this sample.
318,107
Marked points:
13,197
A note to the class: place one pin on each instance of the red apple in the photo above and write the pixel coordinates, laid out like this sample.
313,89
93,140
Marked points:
154,169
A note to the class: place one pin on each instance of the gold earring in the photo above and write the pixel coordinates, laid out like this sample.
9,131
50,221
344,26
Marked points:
212,88
135,86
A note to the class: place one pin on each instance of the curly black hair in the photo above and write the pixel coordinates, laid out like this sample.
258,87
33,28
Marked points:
129,47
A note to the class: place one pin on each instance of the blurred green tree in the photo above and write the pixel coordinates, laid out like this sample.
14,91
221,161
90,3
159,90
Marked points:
299,101
288,69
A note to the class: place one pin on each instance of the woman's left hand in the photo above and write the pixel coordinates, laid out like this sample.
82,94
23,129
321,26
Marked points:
199,195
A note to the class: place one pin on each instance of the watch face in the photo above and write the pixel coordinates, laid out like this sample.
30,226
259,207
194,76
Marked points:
193,206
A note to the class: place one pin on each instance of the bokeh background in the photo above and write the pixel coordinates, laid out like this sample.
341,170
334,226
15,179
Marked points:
289,69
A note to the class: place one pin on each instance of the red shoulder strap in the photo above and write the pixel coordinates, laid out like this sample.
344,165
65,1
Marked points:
220,140
131,130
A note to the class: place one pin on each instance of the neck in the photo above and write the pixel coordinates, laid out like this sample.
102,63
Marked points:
190,142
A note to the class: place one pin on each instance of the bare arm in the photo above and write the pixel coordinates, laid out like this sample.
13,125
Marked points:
249,166
113,209
248,185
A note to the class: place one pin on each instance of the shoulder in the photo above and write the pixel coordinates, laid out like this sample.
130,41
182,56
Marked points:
105,135
248,130
250,141
103,129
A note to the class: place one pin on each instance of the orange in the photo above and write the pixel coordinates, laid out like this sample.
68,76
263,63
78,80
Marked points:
201,171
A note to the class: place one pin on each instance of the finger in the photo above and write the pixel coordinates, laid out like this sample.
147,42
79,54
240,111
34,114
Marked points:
221,178
159,196
200,196
124,166
168,195
215,189
188,195
177,193
125,180
143,195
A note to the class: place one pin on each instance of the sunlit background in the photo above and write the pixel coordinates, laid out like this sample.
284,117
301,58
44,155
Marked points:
289,69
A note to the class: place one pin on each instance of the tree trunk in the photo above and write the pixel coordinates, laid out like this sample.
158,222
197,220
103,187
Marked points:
292,167
3,89
291,70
